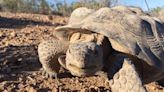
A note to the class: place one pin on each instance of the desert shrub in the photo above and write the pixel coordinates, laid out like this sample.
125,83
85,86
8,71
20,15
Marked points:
155,11
63,8
29,6
66,9
44,7
58,7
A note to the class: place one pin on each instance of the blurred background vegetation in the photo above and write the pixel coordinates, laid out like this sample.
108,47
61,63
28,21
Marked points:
58,7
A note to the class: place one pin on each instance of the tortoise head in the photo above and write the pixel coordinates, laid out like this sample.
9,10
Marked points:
83,59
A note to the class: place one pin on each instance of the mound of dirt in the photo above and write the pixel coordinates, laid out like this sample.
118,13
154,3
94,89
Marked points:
20,69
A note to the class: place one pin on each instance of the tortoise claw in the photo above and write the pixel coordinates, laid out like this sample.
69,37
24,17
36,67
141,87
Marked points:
43,72
102,74
51,76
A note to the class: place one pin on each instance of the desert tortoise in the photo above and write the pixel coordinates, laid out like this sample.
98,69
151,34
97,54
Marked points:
137,41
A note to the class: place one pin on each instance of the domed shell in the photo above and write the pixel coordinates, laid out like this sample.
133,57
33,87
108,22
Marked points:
135,34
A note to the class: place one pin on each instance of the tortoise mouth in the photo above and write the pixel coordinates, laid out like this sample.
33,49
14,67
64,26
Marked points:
84,71
83,68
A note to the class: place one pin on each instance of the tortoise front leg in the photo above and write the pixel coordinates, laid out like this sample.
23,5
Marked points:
48,52
127,79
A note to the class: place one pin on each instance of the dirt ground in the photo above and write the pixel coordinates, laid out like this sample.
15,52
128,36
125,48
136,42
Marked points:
20,70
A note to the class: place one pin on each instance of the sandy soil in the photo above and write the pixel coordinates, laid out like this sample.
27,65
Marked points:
20,70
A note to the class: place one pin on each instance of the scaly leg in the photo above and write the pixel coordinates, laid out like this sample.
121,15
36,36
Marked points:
127,79
48,52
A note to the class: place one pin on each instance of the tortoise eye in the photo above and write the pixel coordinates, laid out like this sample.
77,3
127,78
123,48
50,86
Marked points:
76,36
69,51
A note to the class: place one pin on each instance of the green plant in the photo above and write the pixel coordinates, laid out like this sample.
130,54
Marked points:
155,11
59,7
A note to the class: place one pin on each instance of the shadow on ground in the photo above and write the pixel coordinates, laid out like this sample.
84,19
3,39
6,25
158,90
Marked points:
18,23
17,59
21,60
